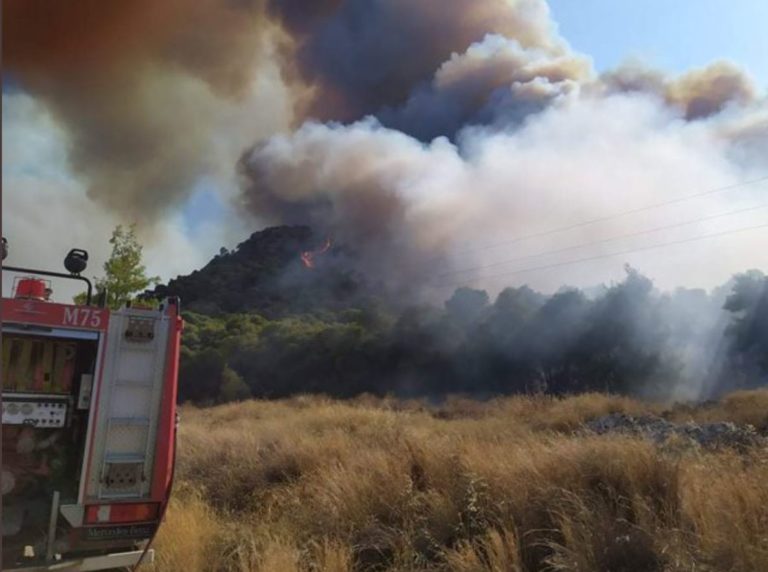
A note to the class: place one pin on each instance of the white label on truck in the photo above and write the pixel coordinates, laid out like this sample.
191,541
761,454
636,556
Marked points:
84,396
82,316
41,414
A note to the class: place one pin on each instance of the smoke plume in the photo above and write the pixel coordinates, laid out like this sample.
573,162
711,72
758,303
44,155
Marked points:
536,139
148,93
496,81
358,56
135,85
698,93
420,213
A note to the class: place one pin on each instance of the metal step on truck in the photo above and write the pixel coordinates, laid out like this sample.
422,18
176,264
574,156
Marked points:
88,425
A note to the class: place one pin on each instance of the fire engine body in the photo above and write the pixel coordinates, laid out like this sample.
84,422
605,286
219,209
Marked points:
88,435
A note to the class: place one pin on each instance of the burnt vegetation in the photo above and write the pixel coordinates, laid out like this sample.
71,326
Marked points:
260,324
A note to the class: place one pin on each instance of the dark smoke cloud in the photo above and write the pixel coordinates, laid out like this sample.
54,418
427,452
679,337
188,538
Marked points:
131,81
699,93
137,85
358,56
748,331
496,81
431,68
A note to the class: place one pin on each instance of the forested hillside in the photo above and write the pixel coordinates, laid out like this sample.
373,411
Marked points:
259,322
265,274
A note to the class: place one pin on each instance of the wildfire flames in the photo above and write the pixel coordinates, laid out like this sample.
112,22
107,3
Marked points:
308,256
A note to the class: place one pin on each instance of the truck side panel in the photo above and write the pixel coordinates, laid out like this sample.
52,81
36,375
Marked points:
129,413
165,452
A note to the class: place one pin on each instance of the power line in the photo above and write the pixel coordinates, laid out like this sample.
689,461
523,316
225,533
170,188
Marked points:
616,215
604,241
610,255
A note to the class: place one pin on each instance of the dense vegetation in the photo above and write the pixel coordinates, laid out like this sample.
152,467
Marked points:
259,324
264,274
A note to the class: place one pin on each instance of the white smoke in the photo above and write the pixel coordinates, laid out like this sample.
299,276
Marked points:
448,203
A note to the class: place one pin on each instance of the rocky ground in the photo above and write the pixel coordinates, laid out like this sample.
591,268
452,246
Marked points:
660,431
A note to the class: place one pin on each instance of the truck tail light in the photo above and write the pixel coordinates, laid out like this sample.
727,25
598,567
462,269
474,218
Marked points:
121,513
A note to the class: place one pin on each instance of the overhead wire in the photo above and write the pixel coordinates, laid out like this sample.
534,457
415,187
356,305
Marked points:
604,241
607,255
616,215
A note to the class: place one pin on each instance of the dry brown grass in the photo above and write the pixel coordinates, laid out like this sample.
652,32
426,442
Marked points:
749,407
313,485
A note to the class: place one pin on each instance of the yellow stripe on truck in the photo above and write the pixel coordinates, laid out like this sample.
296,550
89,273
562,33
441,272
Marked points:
38,365
23,376
7,343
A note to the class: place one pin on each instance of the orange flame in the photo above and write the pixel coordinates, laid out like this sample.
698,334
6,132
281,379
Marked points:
308,256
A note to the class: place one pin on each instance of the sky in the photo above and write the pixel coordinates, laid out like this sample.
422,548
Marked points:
674,35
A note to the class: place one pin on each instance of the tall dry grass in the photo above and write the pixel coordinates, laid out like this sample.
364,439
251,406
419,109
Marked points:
313,485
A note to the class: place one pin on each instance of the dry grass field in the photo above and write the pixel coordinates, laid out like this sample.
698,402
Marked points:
514,484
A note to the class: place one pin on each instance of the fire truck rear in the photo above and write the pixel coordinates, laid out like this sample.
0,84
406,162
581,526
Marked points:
88,426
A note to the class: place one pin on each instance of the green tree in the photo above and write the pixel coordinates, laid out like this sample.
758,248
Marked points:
124,273
233,388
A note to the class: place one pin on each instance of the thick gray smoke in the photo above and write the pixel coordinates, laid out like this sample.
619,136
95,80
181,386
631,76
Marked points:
143,90
364,203
698,94
535,138
358,56
495,82
430,68
627,338
434,207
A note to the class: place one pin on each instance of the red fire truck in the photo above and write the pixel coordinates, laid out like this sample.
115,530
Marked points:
88,425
